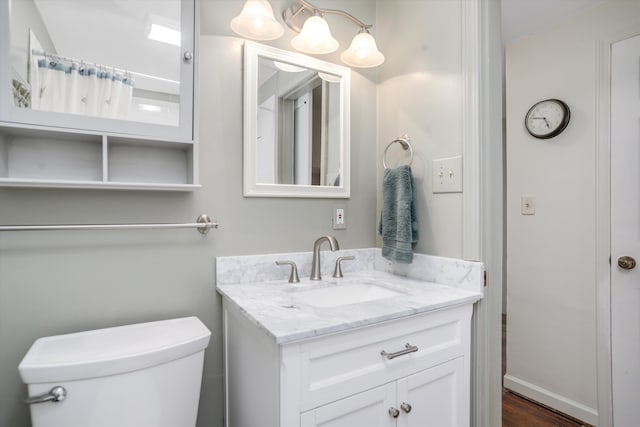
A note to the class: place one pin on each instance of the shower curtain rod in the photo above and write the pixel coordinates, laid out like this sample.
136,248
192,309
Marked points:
204,224
106,67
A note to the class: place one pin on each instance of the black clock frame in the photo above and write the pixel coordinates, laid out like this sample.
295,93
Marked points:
563,125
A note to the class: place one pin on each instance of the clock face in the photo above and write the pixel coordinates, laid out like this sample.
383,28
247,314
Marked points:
547,118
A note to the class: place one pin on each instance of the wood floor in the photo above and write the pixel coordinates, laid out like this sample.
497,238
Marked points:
520,412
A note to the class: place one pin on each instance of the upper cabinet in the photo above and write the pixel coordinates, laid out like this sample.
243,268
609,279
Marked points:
98,93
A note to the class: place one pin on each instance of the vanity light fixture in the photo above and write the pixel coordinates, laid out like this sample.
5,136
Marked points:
315,36
363,51
305,18
256,21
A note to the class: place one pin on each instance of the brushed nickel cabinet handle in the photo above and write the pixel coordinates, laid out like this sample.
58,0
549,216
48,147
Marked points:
405,407
408,348
394,412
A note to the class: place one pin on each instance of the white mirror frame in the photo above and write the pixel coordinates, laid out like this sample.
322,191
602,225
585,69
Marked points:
252,51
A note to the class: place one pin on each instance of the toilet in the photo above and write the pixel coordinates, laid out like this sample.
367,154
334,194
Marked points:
142,375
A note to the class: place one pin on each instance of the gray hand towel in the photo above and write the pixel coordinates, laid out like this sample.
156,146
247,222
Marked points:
398,220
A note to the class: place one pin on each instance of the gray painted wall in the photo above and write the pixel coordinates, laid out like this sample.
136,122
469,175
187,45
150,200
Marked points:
65,281
420,88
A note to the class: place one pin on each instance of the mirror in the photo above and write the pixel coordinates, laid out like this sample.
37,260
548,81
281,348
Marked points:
104,59
296,125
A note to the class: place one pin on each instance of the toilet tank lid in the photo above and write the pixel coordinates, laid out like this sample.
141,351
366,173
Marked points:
111,351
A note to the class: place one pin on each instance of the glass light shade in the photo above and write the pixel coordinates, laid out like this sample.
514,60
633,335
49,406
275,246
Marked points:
315,37
329,78
256,21
363,52
288,67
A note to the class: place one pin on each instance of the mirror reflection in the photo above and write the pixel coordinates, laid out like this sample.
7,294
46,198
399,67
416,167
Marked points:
117,59
298,125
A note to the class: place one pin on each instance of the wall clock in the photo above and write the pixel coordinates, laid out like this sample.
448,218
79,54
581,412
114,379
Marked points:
547,118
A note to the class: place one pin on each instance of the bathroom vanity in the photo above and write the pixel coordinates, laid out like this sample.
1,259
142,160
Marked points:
379,347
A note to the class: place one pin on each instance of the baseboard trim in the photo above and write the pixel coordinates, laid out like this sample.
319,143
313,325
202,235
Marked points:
553,400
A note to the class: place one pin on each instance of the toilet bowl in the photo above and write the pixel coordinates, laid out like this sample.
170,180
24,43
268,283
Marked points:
142,375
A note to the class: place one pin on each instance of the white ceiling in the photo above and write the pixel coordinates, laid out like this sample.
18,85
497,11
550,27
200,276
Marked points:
525,17
79,36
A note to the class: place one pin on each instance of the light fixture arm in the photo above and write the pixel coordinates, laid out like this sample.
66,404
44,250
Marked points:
315,36
306,5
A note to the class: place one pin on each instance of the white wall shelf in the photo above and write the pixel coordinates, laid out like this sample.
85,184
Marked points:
65,158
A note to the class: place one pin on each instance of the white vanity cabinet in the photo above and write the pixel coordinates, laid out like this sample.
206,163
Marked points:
410,371
93,99
432,397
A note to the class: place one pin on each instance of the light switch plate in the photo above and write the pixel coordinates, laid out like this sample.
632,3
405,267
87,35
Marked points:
528,205
447,175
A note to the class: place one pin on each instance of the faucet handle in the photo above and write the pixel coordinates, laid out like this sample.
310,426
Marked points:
293,278
337,273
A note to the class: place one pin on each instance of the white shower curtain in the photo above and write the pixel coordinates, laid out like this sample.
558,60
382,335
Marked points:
73,87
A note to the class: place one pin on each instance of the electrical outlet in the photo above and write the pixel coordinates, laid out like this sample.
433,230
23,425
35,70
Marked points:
447,175
339,221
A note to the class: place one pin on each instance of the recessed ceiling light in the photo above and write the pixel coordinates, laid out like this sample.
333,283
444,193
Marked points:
150,108
164,34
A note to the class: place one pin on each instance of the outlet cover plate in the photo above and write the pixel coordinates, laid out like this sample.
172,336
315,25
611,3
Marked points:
339,220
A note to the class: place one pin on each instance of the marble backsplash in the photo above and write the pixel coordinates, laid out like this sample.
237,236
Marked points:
467,275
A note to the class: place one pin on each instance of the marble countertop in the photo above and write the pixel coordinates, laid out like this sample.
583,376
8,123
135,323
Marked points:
274,307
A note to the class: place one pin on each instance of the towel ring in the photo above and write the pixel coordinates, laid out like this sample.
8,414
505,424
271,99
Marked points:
405,142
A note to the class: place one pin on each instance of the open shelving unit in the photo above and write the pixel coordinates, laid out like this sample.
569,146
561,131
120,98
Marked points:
32,156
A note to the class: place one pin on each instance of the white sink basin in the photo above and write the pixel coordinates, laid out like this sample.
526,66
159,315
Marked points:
337,295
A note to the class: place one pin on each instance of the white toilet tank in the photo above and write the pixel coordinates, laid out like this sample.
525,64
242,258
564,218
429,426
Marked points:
142,375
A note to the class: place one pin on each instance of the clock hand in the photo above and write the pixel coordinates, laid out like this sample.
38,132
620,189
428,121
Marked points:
542,118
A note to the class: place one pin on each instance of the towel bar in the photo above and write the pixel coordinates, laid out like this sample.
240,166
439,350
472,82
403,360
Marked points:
204,224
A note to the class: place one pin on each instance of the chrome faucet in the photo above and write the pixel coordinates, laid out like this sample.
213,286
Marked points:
315,263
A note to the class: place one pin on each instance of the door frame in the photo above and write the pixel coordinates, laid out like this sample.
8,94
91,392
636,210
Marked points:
482,199
603,221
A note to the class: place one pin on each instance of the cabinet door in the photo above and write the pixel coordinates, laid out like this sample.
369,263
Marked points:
369,408
118,67
435,397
